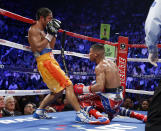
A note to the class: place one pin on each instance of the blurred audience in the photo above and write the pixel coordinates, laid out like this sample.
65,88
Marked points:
58,105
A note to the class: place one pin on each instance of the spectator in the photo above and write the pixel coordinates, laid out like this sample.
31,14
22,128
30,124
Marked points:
10,107
29,109
128,103
1,106
144,105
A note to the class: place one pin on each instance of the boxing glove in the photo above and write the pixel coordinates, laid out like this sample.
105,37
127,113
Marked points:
81,88
52,28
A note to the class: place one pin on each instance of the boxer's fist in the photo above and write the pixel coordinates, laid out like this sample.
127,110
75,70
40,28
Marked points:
78,88
53,26
153,58
81,88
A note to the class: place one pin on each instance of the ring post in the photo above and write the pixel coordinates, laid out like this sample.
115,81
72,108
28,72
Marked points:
122,52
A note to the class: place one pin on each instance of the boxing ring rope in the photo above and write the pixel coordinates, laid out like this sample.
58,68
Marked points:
47,91
30,21
122,43
140,46
27,48
23,92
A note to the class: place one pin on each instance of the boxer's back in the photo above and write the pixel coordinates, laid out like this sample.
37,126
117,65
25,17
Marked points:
112,77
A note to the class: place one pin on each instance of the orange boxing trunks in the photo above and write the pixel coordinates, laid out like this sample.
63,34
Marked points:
52,74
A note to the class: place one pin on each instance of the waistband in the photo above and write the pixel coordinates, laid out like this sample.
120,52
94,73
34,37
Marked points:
44,51
114,90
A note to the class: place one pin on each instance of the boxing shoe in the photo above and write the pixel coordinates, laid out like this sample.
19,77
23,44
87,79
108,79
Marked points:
41,114
139,116
83,117
103,120
100,118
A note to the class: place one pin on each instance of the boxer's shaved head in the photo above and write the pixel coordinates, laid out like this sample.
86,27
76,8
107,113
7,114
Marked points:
97,51
98,48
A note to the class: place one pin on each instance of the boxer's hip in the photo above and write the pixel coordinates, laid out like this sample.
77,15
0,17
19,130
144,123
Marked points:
113,90
51,72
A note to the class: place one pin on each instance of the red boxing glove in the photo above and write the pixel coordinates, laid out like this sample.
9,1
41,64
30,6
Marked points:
81,88
93,82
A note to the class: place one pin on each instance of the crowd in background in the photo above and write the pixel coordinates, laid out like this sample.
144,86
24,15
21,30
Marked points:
26,105
125,18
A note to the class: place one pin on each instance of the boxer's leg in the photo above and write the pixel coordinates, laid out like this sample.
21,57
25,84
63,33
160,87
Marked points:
132,114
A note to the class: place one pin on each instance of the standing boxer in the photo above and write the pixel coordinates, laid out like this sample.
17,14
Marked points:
42,43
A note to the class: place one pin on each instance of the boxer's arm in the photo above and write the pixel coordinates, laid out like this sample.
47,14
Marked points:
100,80
52,43
94,87
153,27
35,40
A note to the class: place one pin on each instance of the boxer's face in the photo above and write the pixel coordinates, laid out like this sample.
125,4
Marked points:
92,55
47,19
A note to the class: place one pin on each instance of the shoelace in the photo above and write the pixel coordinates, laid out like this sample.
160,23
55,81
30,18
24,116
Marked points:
89,118
86,116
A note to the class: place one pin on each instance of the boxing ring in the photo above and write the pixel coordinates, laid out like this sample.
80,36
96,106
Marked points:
65,120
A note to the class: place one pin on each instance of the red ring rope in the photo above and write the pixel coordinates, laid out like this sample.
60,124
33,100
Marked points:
30,21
